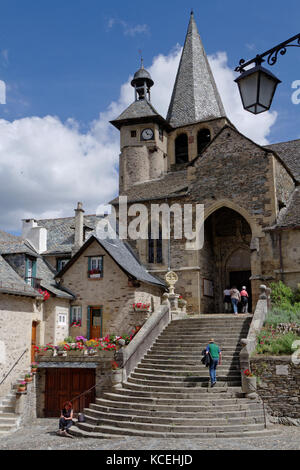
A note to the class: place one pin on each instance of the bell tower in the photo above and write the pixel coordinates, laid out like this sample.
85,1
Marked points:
143,136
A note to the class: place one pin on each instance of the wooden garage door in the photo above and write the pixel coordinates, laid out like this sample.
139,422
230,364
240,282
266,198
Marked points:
66,384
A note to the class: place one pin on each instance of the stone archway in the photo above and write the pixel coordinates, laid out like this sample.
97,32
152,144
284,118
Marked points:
225,257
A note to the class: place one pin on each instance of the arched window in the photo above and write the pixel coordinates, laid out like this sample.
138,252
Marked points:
181,149
203,139
155,247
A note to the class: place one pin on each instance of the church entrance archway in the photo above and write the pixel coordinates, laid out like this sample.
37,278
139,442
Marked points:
225,258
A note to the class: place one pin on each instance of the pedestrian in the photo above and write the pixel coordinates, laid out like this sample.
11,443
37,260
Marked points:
235,299
244,299
215,353
227,300
65,420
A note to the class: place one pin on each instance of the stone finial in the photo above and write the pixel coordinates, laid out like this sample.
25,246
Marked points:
171,279
263,294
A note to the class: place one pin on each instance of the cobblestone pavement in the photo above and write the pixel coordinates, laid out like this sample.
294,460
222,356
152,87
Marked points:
41,435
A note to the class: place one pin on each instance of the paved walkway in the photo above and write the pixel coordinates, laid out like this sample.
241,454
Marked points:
41,435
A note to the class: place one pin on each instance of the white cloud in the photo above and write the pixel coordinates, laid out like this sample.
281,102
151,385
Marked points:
47,166
256,127
129,30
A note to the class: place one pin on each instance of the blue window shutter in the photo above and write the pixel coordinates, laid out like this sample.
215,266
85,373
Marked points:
34,263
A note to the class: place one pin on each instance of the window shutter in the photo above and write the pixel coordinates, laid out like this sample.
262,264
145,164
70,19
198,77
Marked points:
88,322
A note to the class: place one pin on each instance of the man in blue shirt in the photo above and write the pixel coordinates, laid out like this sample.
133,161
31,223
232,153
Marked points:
215,354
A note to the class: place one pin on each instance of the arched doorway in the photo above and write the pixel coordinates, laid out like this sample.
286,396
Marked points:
225,258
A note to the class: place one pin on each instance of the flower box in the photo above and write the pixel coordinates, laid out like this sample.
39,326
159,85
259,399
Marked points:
141,307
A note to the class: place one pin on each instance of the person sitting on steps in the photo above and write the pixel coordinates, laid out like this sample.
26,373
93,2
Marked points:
65,420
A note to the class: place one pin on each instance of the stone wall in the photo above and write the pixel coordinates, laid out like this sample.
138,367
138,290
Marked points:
113,293
16,316
278,385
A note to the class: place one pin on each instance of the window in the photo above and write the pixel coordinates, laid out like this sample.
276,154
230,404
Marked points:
61,263
76,315
203,139
61,318
95,269
30,272
155,248
133,133
181,149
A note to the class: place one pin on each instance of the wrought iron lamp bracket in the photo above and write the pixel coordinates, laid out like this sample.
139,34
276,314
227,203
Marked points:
271,54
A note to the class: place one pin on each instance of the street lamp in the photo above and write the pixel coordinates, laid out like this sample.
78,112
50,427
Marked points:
258,85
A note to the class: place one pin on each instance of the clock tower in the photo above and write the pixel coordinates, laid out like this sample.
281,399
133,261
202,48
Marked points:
143,136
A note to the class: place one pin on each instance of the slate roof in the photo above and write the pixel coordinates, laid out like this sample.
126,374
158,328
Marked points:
11,282
289,152
47,275
13,244
61,232
123,255
170,185
141,110
195,95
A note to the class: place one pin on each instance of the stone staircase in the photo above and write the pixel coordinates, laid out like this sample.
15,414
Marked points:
168,394
8,419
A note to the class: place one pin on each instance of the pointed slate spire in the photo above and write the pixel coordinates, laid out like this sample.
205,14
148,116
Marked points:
195,95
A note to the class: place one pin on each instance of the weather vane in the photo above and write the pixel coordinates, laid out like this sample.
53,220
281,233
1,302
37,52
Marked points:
142,60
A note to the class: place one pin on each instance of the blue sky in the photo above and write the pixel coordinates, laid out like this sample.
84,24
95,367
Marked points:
66,66
62,58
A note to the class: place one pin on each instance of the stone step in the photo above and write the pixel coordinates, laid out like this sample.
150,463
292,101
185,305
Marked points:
152,356
192,394
11,420
181,374
229,350
154,386
103,418
185,361
205,401
195,407
153,430
111,433
208,412
186,367
196,383
7,409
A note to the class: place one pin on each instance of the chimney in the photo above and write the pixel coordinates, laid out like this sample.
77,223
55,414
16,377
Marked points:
37,236
78,241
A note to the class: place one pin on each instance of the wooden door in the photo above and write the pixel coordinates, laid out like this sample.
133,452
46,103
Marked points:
95,322
66,385
33,340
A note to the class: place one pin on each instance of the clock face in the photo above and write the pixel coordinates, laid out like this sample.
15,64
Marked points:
147,134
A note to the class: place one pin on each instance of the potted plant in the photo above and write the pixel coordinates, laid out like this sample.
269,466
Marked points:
117,373
22,386
28,378
48,350
249,382
34,367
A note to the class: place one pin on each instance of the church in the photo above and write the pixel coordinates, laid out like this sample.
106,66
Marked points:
62,279
197,156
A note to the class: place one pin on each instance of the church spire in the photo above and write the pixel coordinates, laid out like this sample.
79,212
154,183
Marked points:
195,95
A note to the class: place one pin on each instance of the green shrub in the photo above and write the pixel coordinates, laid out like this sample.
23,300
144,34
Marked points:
281,294
269,341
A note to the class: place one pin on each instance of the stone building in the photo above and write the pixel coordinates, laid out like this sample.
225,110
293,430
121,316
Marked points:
197,156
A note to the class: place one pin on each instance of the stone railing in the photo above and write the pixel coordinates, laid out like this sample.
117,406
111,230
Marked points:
249,343
129,356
